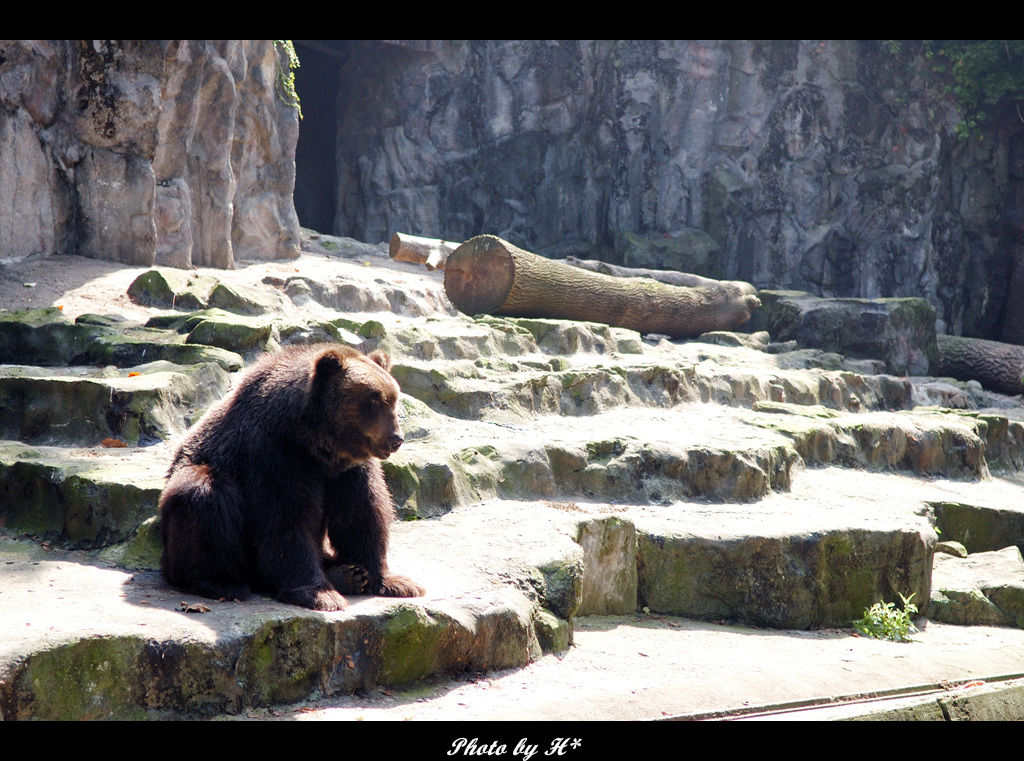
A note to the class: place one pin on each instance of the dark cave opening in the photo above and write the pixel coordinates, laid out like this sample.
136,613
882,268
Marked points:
316,82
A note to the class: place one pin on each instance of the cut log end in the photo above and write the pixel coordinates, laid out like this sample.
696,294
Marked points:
479,275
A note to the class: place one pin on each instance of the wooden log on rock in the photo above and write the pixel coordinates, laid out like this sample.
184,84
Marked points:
488,275
672,277
995,365
428,251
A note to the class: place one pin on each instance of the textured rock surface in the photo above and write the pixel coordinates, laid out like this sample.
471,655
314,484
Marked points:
140,151
83,406
85,498
551,469
900,332
983,588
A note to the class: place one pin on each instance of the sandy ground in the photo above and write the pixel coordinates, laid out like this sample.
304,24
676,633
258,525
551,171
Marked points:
77,284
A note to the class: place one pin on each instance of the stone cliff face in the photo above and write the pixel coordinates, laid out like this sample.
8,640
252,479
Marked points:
162,151
830,166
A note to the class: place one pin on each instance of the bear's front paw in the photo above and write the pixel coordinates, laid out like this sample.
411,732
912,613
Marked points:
349,578
400,586
328,599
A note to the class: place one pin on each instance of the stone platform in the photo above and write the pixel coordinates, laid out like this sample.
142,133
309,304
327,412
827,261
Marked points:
554,473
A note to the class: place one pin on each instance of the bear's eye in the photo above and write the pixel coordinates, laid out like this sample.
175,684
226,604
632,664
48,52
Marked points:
374,400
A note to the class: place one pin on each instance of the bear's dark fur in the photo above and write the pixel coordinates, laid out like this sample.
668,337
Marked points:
278,488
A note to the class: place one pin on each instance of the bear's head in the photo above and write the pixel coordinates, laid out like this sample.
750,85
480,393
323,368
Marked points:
353,406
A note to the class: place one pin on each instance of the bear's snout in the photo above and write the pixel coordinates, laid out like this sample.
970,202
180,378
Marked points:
395,442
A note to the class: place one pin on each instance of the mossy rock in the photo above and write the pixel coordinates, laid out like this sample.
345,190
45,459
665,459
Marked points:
982,589
285,660
240,335
980,528
423,489
897,331
82,407
143,551
554,634
791,582
44,337
136,347
242,300
172,289
81,501
85,680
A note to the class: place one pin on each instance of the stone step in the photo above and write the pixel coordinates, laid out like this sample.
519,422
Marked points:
47,338
686,451
83,640
79,497
82,406
560,470
981,588
504,580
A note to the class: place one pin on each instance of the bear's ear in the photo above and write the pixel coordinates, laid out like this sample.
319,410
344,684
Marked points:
328,364
381,358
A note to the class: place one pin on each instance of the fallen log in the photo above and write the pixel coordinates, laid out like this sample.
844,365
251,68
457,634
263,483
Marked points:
995,365
428,251
488,275
672,277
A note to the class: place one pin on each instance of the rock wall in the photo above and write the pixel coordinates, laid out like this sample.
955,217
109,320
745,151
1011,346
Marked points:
830,167
173,152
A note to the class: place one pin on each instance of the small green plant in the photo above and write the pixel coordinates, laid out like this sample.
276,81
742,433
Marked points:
883,621
979,76
286,79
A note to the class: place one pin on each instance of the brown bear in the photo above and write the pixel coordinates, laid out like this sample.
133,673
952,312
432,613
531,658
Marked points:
279,488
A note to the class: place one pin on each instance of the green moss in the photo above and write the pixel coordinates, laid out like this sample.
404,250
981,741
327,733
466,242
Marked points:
554,634
563,585
603,451
410,640
92,679
285,661
371,329
144,550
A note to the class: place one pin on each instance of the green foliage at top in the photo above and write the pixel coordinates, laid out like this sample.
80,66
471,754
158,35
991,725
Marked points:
984,73
981,74
883,621
286,79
